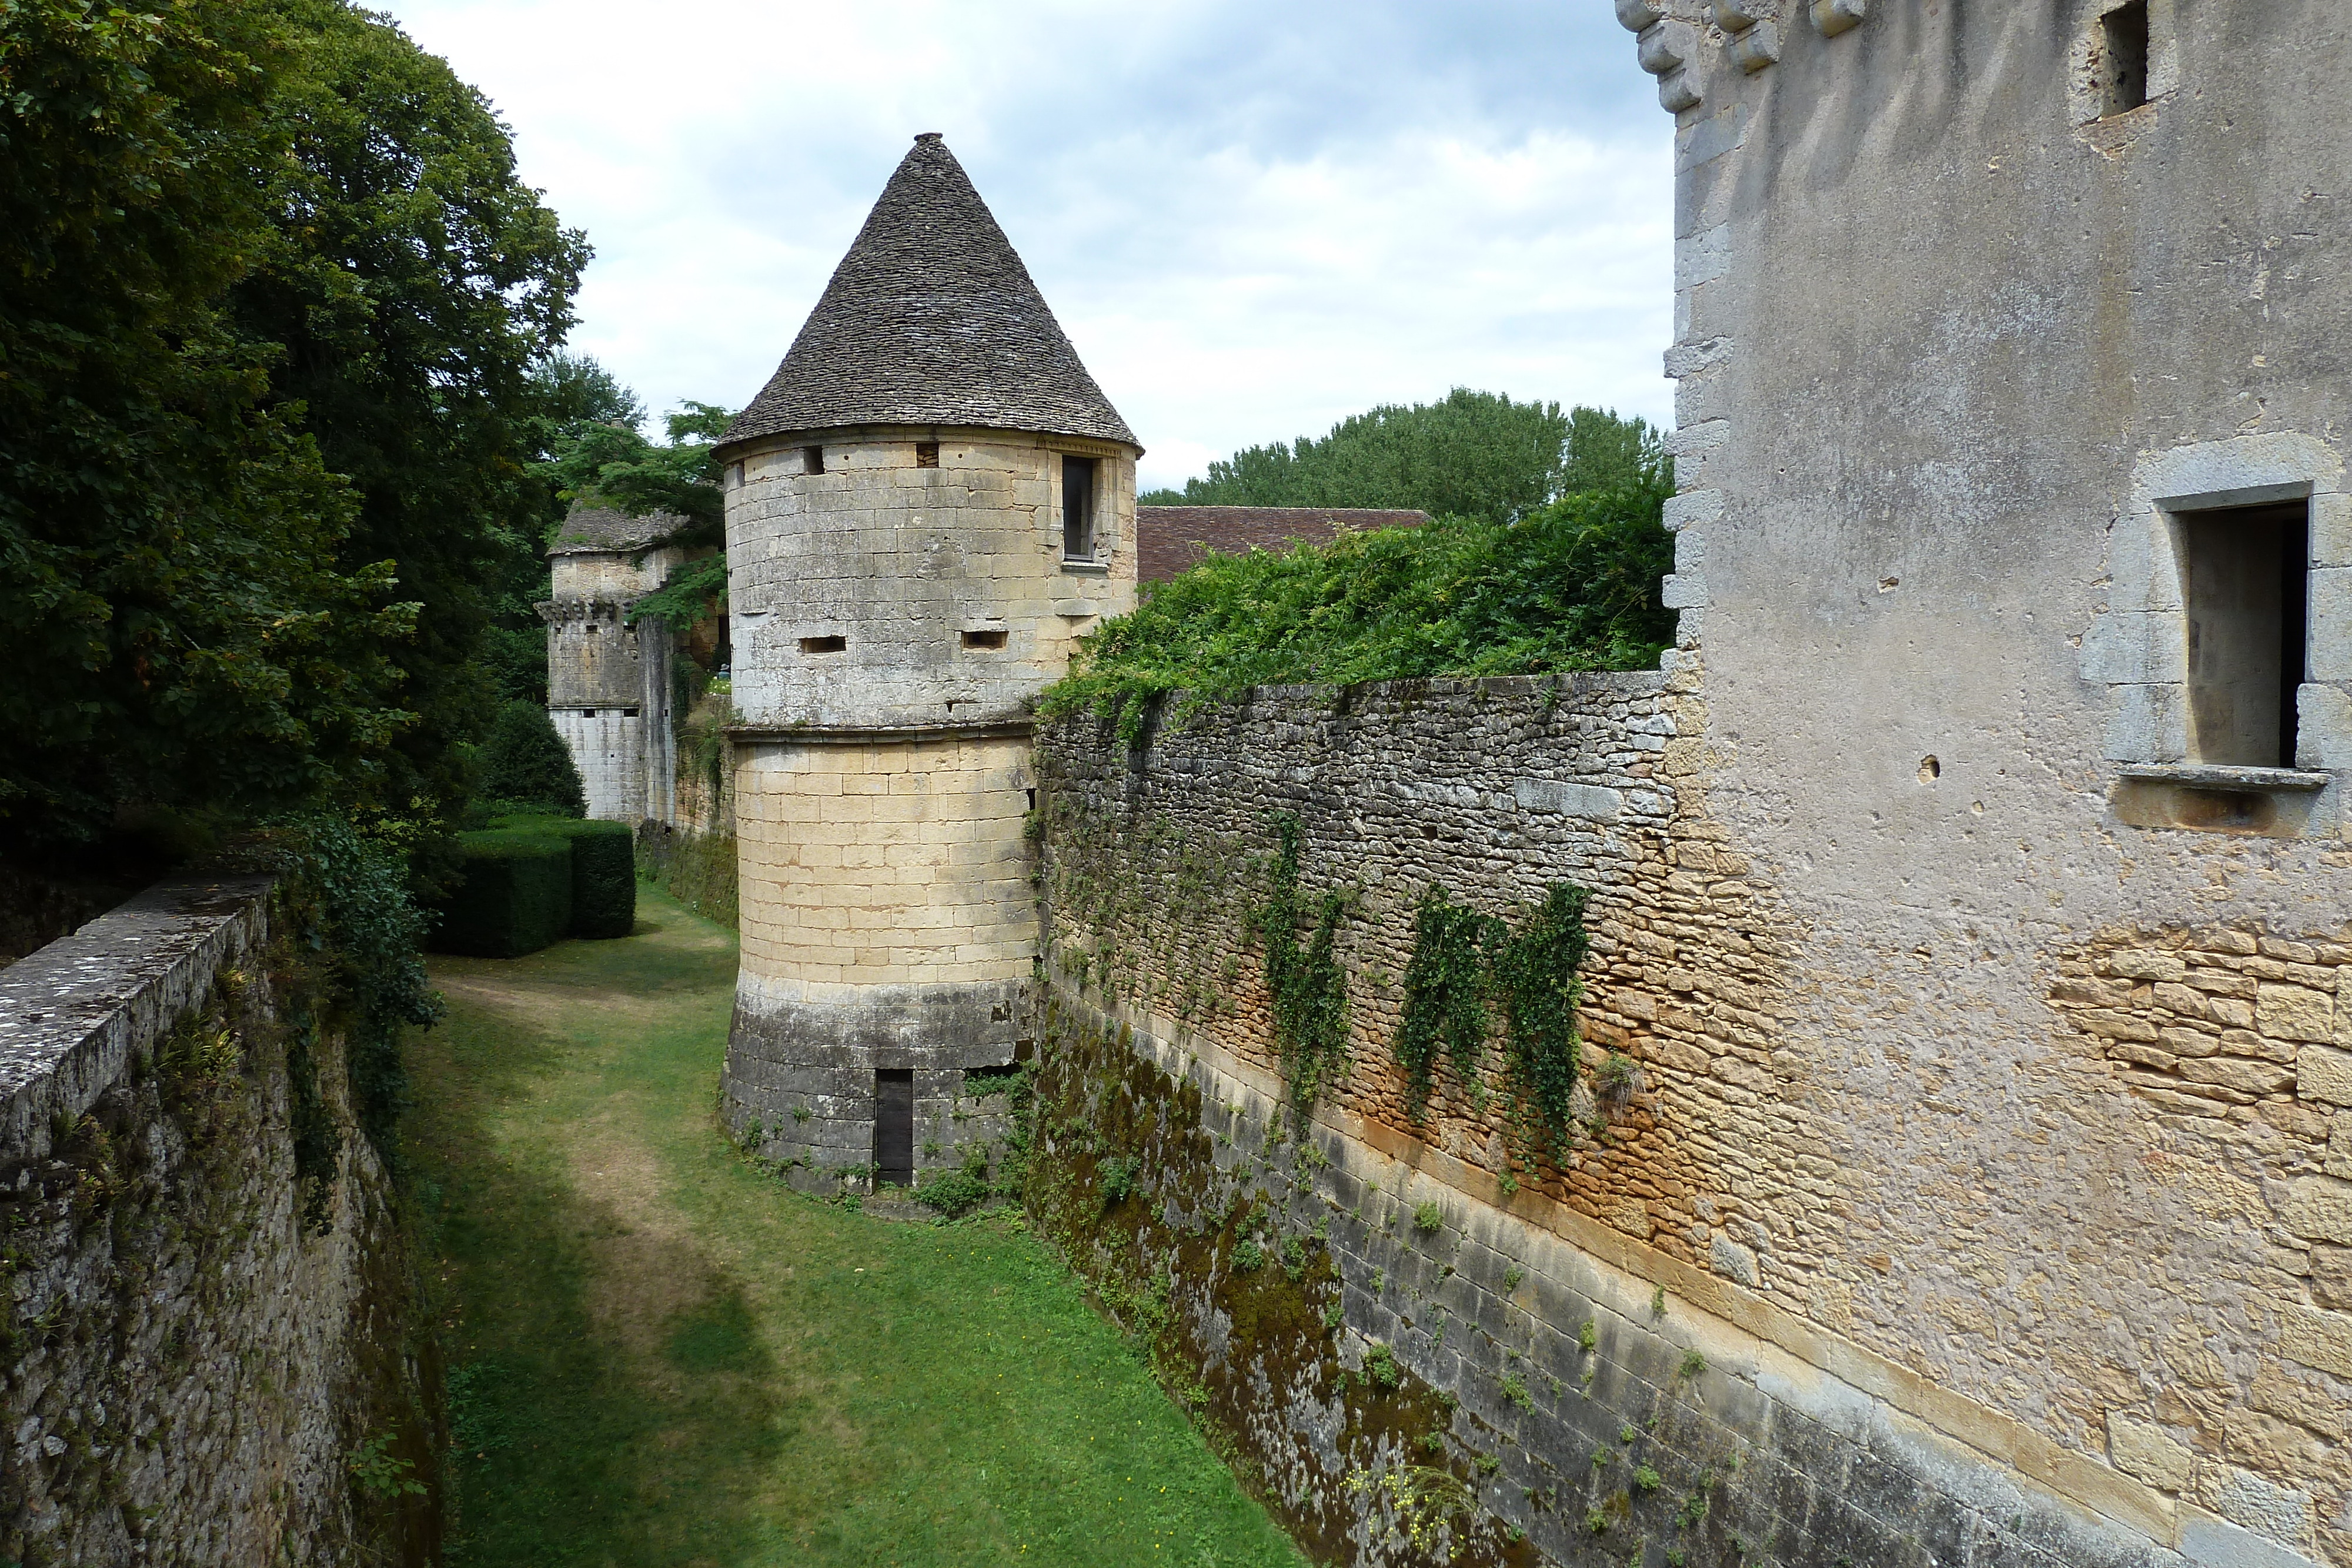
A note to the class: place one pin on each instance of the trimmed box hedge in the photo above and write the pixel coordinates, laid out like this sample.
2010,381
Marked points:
513,895
604,872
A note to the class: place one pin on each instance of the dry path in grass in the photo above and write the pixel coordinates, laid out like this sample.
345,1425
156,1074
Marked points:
664,1358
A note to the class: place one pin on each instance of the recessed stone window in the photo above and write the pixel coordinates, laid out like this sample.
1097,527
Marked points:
833,644
2226,641
2245,580
927,455
2122,64
1078,508
811,459
990,638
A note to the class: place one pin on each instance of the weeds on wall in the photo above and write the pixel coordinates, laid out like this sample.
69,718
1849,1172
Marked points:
1309,988
1445,994
1459,959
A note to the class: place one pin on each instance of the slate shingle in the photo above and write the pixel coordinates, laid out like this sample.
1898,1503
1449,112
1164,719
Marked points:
932,320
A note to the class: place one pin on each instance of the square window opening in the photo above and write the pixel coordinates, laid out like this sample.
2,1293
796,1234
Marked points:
1077,508
811,459
824,645
927,455
991,639
2123,58
2245,581
894,1126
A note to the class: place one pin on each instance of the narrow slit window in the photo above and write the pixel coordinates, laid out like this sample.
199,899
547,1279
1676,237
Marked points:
811,459
927,455
2245,574
1077,508
2123,58
824,645
628,713
993,638
587,712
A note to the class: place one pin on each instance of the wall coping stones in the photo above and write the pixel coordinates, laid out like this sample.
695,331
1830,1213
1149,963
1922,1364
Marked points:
74,1014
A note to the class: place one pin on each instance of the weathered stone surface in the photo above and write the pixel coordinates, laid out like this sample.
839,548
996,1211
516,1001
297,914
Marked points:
2141,1448
216,1327
2319,1208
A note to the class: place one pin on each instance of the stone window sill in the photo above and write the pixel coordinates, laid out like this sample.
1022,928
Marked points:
1086,567
2217,776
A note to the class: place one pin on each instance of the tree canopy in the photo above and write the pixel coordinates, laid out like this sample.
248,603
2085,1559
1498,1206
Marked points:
1472,455
1574,585
270,300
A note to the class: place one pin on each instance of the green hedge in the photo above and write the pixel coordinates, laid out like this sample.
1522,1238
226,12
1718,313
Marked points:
604,872
513,895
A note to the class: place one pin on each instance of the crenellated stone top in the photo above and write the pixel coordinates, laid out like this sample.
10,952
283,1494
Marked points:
1679,38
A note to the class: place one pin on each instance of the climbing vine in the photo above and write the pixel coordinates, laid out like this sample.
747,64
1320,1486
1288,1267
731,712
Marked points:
1308,987
1444,994
1460,958
1536,972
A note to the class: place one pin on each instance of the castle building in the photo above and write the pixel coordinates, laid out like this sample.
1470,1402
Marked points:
926,506
608,681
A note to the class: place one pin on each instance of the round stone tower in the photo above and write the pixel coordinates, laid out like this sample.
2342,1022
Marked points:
926,505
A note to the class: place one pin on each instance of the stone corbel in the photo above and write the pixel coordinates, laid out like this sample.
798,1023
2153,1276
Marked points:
1756,48
1636,16
1835,16
1738,16
1667,47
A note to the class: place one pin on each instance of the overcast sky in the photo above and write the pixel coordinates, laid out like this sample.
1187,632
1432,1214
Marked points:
1253,218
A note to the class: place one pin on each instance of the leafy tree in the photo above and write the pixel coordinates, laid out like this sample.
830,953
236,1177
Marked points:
615,464
417,285
195,623
1473,455
526,763
1572,586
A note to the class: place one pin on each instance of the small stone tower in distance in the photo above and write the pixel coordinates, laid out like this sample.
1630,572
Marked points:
926,506
608,681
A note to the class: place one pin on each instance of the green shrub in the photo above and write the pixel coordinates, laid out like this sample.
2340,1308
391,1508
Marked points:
952,1192
526,761
604,872
512,895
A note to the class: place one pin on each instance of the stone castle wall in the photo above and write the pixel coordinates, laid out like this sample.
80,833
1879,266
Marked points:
1726,1163
896,562
209,1307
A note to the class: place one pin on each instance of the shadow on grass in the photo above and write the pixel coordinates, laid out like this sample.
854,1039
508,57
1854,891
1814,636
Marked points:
610,1400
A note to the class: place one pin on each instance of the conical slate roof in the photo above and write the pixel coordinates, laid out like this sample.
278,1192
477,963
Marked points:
932,320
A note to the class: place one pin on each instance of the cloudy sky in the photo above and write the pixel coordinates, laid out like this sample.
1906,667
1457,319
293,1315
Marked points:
1253,218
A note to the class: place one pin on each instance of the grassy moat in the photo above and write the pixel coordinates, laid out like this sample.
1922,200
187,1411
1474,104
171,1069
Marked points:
662,1357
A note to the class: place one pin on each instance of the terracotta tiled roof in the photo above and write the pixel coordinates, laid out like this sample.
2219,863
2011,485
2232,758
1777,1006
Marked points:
601,531
1169,539
932,320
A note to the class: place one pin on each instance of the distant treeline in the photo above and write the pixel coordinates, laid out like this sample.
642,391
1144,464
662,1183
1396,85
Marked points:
1473,455
1546,553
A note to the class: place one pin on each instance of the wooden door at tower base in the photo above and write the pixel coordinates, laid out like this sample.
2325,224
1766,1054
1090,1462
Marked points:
894,1127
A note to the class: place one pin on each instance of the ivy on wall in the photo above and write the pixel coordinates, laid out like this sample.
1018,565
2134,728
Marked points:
1460,958
1309,988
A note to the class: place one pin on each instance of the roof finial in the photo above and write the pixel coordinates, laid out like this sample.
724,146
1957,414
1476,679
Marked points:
923,136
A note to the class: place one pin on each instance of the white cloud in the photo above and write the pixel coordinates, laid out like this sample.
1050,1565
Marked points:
1252,224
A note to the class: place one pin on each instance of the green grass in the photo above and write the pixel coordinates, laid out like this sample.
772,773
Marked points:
660,1356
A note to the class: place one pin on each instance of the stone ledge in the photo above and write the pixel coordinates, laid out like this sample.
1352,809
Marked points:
2215,775
74,1014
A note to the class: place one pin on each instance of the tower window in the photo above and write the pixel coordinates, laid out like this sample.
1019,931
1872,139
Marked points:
1077,508
927,455
824,645
811,459
992,638
2123,58
2246,578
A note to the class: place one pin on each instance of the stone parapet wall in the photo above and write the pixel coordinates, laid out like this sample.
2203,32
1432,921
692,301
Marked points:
209,1306
1720,1150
